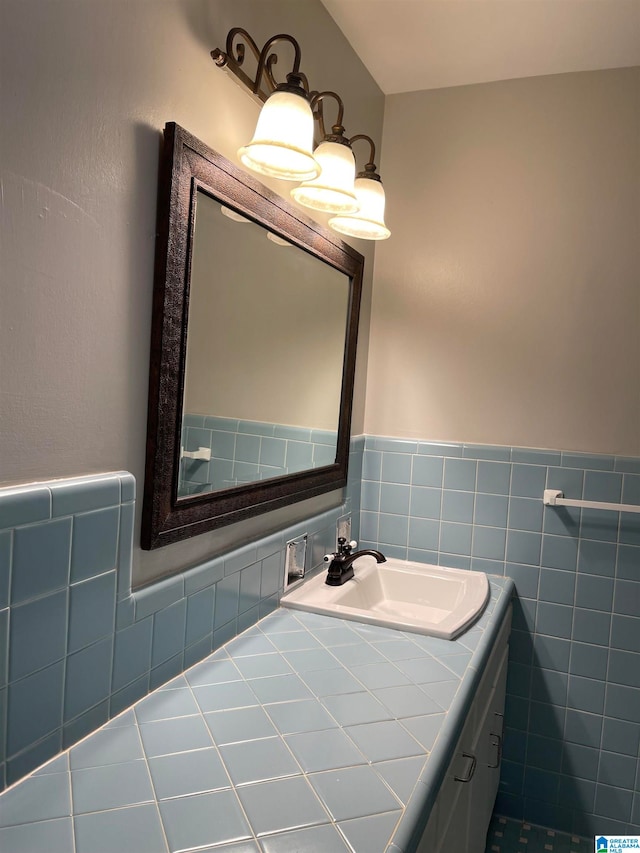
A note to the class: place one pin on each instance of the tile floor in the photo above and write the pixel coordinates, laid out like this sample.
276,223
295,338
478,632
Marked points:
512,836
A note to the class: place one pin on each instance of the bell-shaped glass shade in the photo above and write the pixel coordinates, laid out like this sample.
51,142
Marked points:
333,191
283,142
368,222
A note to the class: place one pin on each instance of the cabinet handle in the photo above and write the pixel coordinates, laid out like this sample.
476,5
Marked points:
501,718
498,743
471,770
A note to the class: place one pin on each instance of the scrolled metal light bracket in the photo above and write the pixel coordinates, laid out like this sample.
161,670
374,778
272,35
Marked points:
264,83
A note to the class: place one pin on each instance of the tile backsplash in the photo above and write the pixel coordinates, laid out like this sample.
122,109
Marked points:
571,752
77,646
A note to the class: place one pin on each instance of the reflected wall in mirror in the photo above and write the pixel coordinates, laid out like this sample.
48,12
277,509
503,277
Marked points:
273,407
253,347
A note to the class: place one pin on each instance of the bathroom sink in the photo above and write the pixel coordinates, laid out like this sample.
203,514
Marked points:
415,597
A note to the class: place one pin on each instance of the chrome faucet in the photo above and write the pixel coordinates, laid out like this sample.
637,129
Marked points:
341,563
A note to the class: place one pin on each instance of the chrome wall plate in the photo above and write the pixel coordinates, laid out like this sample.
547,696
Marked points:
295,560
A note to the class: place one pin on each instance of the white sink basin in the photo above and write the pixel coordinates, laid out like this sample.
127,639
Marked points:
413,597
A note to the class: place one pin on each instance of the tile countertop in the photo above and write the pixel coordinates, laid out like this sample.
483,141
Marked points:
304,733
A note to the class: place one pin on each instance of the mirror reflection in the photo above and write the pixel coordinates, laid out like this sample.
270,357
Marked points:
267,327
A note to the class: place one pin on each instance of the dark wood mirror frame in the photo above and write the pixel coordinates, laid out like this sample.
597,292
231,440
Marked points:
186,167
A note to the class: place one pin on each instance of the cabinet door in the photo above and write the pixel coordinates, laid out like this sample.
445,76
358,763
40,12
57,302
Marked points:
488,750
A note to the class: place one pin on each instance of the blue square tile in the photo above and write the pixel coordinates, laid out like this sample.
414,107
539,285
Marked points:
599,524
526,579
370,496
180,734
324,750
597,558
91,610
624,668
394,498
525,514
589,660
489,543
393,529
549,686
580,761
557,586
111,787
602,486
494,478
168,632
258,760
491,510
594,592
272,451
37,798
457,506
623,703
570,482
586,694
427,471
620,736
38,634
103,832
396,468
227,695
299,456
158,595
132,653
187,773
627,598
88,678
353,792
552,653
35,707
54,836
241,724
629,529
562,521
40,559
384,740
455,538
167,704
528,481
591,626
372,465
631,489
614,803
460,474
554,620
227,600
166,671
559,552
267,805
524,547
618,770
425,502
199,615
272,574
95,543
625,633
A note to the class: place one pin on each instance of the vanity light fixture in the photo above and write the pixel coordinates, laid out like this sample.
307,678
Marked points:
282,145
333,190
368,222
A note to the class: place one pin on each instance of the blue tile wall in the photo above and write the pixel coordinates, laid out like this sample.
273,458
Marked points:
77,646
571,752
248,450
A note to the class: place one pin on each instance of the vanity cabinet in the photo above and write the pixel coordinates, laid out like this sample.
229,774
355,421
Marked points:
461,814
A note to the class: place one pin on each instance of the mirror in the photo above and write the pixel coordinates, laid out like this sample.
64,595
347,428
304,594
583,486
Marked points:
253,346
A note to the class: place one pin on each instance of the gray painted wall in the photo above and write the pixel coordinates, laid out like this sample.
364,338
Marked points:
507,303
87,88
